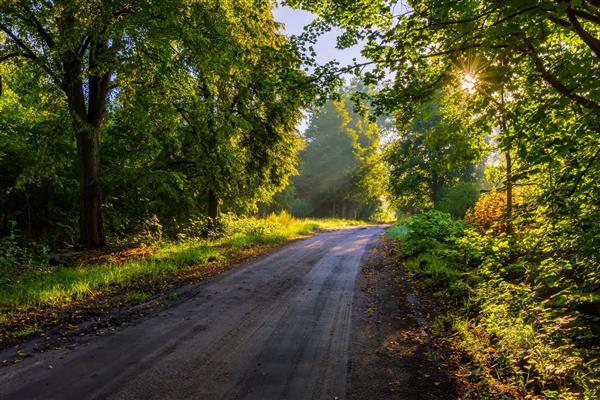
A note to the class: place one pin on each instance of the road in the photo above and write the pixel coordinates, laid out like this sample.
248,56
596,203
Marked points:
275,328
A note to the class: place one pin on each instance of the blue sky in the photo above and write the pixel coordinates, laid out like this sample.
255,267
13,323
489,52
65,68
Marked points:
296,20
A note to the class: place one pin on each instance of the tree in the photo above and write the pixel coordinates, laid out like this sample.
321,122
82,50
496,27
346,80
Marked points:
328,162
342,171
435,151
238,109
83,48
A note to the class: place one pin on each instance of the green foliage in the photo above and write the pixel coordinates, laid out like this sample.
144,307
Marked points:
436,273
435,151
397,232
60,286
430,231
459,199
341,171
16,257
193,97
536,311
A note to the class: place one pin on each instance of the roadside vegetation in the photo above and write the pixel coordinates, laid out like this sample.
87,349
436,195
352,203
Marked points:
520,313
135,273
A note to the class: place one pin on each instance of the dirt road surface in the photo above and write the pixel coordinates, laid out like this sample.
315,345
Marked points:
275,328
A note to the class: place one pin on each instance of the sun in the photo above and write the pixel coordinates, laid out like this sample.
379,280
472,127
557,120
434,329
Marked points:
468,81
471,72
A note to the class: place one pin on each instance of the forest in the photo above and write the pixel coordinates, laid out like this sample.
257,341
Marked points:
145,141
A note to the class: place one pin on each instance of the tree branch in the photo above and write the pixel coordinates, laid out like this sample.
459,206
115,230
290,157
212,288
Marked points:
584,172
85,43
559,21
460,21
28,53
19,42
586,15
515,14
590,40
556,84
39,28
12,55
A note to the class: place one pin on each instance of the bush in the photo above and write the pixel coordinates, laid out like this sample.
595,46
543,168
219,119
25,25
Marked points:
397,232
203,227
16,258
525,307
489,213
437,272
459,199
430,231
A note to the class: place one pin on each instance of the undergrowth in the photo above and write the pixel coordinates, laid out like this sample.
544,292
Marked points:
23,287
526,321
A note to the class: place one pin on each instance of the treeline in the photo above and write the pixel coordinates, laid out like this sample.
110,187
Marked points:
121,116
341,169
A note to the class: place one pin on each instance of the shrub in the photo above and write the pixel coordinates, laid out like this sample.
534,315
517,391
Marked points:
15,257
151,231
203,227
430,231
489,212
437,273
459,199
397,232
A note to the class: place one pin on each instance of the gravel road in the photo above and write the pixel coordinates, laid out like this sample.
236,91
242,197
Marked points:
275,328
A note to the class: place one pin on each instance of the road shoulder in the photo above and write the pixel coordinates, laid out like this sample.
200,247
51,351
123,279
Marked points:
392,356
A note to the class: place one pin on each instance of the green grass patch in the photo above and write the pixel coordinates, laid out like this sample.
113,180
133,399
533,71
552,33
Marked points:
135,297
62,286
397,232
27,331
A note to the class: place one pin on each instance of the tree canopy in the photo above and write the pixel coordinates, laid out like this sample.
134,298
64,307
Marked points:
341,170
205,95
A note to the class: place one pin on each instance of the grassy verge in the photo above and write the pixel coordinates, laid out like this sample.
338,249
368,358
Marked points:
61,287
518,328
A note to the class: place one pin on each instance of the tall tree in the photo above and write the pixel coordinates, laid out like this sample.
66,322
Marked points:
434,151
237,109
342,172
83,48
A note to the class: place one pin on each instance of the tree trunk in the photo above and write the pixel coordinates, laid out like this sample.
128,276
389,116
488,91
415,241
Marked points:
88,108
509,194
436,187
87,133
214,210
90,220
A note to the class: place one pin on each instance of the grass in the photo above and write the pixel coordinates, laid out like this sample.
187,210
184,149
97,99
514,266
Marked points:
397,232
136,297
27,331
60,287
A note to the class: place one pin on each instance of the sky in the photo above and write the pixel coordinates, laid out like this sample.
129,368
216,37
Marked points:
294,22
